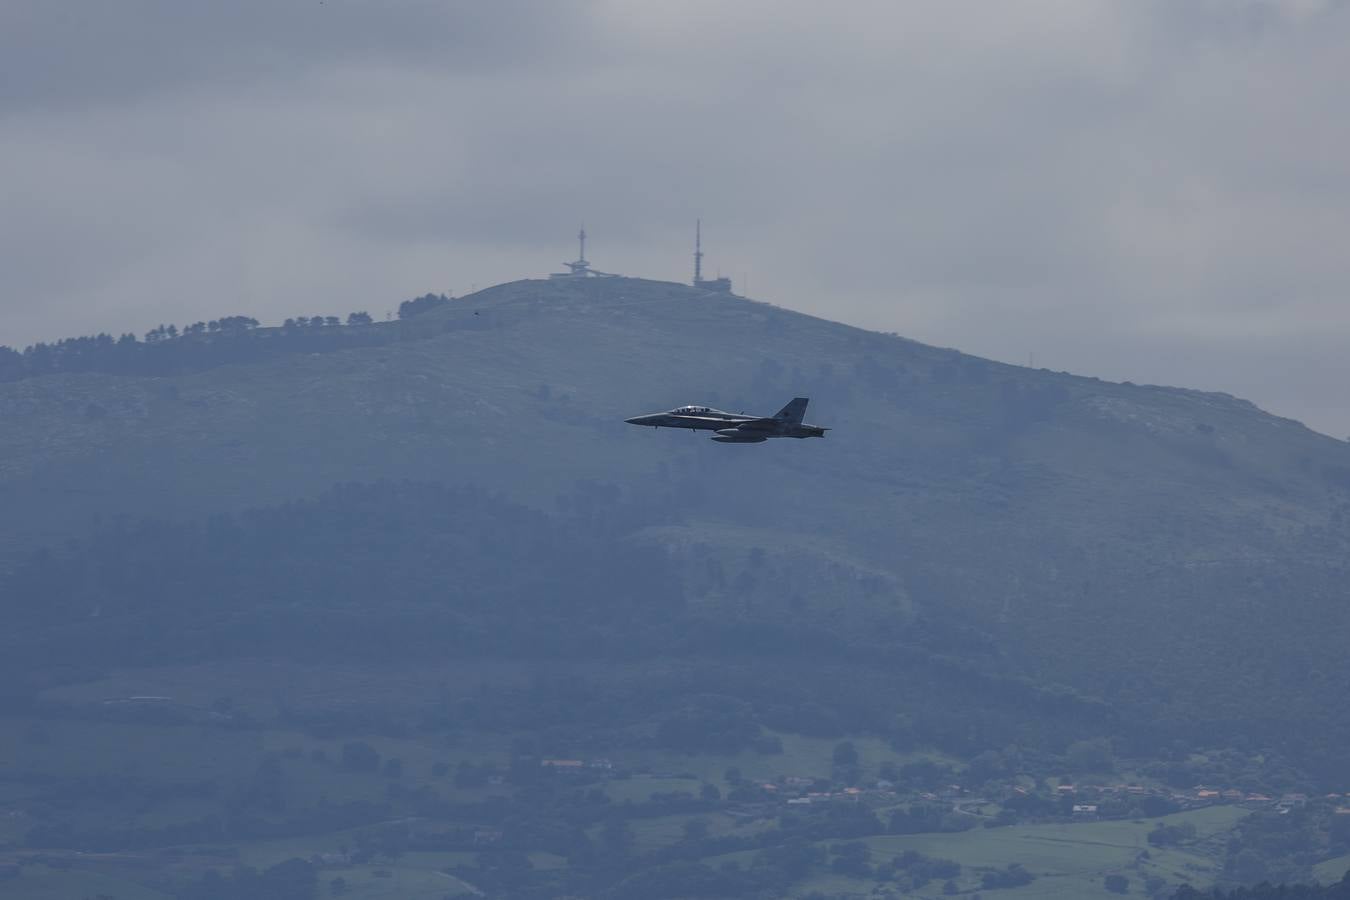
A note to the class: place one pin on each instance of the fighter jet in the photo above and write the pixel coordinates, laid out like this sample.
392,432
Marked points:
736,428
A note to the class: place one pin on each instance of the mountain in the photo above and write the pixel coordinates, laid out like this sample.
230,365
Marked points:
1172,560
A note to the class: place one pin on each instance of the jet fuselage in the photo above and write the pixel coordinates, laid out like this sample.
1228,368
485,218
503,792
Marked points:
735,428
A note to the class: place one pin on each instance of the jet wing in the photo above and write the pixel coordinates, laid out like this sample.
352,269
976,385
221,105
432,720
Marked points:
758,424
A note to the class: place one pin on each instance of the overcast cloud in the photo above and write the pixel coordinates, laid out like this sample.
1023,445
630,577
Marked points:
1149,190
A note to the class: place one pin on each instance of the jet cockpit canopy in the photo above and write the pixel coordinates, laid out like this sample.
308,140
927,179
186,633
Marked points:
692,410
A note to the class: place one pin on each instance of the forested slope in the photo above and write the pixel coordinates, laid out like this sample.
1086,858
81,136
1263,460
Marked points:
1174,556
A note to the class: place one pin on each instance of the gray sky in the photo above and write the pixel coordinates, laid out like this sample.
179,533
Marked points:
1152,190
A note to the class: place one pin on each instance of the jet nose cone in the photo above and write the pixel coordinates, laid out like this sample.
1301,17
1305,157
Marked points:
636,420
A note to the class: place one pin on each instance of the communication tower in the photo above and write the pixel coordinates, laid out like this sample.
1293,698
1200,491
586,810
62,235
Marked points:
719,284
580,267
698,250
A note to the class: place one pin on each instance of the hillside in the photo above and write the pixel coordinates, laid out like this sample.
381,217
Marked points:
1163,549
342,594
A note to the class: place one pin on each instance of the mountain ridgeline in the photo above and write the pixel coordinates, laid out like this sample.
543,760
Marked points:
978,555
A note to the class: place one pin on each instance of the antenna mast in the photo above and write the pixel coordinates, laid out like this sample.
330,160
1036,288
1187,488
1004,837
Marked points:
580,268
698,251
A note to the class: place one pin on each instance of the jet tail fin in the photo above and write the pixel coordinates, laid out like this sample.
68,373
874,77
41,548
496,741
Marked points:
794,411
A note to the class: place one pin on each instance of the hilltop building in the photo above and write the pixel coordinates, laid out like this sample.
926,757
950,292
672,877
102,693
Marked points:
719,284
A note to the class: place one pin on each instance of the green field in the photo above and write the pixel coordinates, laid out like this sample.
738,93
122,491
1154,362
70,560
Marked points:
1332,870
402,882
125,749
1069,860
413,875
43,883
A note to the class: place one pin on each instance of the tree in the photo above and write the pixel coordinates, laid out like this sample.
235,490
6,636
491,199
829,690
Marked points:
695,829
358,756
617,837
794,857
294,879
851,859
1248,866
1091,756
236,324
1171,835
1013,876
266,789
359,318
845,763
419,305
985,766
1117,884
